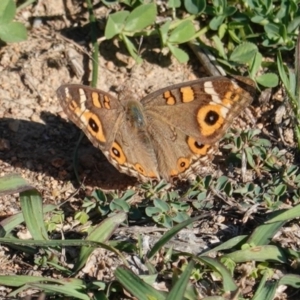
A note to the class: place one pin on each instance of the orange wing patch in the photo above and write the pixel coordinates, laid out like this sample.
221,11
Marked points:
170,99
187,94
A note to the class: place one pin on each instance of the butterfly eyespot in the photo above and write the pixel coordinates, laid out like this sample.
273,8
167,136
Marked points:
182,164
211,118
93,125
117,153
197,147
140,169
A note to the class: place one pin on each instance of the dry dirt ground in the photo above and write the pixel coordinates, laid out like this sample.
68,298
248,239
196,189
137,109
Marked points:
36,139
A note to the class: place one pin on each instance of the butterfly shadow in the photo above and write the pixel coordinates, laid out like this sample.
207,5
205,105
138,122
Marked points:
48,148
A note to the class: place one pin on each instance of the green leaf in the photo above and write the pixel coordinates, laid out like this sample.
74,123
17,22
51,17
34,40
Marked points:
195,6
259,253
216,22
163,30
141,17
244,53
228,282
136,286
230,244
162,205
263,234
282,72
101,233
178,290
286,215
13,32
9,224
131,48
169,234
32,209
66,289
180,55
182,33
115,23
109,2
291,280
266,290
219,46
255,65
13,183
268,80
174,3
7,11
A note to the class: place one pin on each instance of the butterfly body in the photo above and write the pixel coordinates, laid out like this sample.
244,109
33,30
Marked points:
171,133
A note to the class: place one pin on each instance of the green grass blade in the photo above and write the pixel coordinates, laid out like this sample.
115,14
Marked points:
263,234
266,290
136,286
291,280
32,209
259,253
178,290
61,289
100,233
13,183
228,282
169,234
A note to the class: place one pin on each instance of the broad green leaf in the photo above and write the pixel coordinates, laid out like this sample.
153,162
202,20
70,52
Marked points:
195,6
268,80
141,17
162,205
119,204
7,11
216,22
115,23
180,55
244,53
174,3
13,32
182,33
